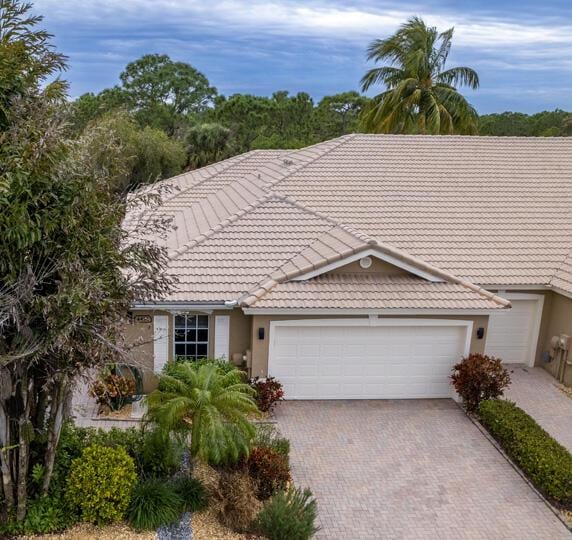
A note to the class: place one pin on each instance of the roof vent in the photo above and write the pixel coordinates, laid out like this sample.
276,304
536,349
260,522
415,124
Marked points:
365,262
287,162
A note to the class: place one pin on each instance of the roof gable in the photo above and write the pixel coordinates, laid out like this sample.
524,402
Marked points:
380,255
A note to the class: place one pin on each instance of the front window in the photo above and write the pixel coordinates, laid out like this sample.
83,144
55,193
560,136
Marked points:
191,336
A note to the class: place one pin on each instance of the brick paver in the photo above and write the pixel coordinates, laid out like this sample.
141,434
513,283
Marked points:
534,390
408,469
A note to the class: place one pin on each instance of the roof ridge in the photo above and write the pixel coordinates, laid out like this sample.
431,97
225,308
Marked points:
220,225
230,162
340,142
364,237
560,138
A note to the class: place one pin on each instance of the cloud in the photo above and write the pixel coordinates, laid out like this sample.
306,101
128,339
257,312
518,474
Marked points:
261,43
308,19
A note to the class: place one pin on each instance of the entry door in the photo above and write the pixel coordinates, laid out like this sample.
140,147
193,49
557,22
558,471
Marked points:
512,336
320,360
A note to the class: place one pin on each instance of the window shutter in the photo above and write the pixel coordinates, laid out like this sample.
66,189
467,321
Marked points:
222,338
160,342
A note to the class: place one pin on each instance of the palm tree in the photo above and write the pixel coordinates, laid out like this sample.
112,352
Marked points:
208,401
421,96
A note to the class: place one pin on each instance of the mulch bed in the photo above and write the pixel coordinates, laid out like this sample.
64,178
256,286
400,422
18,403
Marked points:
86,531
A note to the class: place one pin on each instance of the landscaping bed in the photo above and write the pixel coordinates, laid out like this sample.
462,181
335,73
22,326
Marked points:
543,460
86,531
198,460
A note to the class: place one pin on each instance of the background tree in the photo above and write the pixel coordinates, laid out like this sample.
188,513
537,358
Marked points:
542,124
68,276
148,154
208,143
421,96
89,107
338,114
26,56
163,92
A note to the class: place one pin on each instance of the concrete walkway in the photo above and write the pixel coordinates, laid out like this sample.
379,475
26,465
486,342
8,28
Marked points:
535,391
408,469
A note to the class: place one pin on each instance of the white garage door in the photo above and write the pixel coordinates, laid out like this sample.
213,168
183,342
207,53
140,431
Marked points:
512,336
392,359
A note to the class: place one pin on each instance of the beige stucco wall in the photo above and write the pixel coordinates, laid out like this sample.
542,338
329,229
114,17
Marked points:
141,334
260,347
377,267
556,320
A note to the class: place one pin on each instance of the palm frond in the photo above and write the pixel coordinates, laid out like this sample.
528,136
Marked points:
459,76
208,402
414,58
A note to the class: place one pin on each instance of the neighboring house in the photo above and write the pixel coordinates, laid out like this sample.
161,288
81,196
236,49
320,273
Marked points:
366,266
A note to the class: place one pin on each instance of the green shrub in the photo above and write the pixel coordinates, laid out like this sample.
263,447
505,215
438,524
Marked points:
192,492
73,441
154,453
154,503
159,454
100,483
477,378
289,515
267,436
546,462
269,470
223,365
46,515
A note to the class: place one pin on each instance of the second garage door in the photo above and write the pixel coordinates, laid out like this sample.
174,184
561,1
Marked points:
380,359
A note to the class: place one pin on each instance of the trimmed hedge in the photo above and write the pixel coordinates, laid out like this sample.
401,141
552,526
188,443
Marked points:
545,461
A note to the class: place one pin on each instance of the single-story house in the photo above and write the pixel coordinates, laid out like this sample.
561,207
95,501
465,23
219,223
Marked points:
368,265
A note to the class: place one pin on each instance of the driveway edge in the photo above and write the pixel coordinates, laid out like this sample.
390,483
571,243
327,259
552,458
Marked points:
507,458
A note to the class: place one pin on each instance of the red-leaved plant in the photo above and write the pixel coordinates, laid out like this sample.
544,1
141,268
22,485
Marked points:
269,391
479,377
269,470
112,390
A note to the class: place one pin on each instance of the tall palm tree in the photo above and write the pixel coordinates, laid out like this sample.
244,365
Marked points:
208,401
421,96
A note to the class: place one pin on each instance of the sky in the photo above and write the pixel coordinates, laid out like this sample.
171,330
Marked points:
522,50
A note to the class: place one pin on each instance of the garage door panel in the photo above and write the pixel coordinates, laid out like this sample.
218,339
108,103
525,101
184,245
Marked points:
365,362
510,335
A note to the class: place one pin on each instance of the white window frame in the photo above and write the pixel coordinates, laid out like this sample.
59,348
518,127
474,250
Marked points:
208,329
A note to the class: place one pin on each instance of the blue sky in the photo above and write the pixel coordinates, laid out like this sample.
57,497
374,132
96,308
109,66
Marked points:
522,50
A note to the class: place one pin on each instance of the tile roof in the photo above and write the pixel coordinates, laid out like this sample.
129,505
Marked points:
495,210
225,263
492,211
372,291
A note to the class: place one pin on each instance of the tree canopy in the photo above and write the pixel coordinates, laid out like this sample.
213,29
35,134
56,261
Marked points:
420,95
556,123
68,275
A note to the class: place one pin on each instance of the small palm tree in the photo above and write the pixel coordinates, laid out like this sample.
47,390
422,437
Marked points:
208,401
421,96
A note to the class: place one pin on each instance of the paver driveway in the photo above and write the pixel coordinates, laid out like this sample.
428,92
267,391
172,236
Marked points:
408,469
